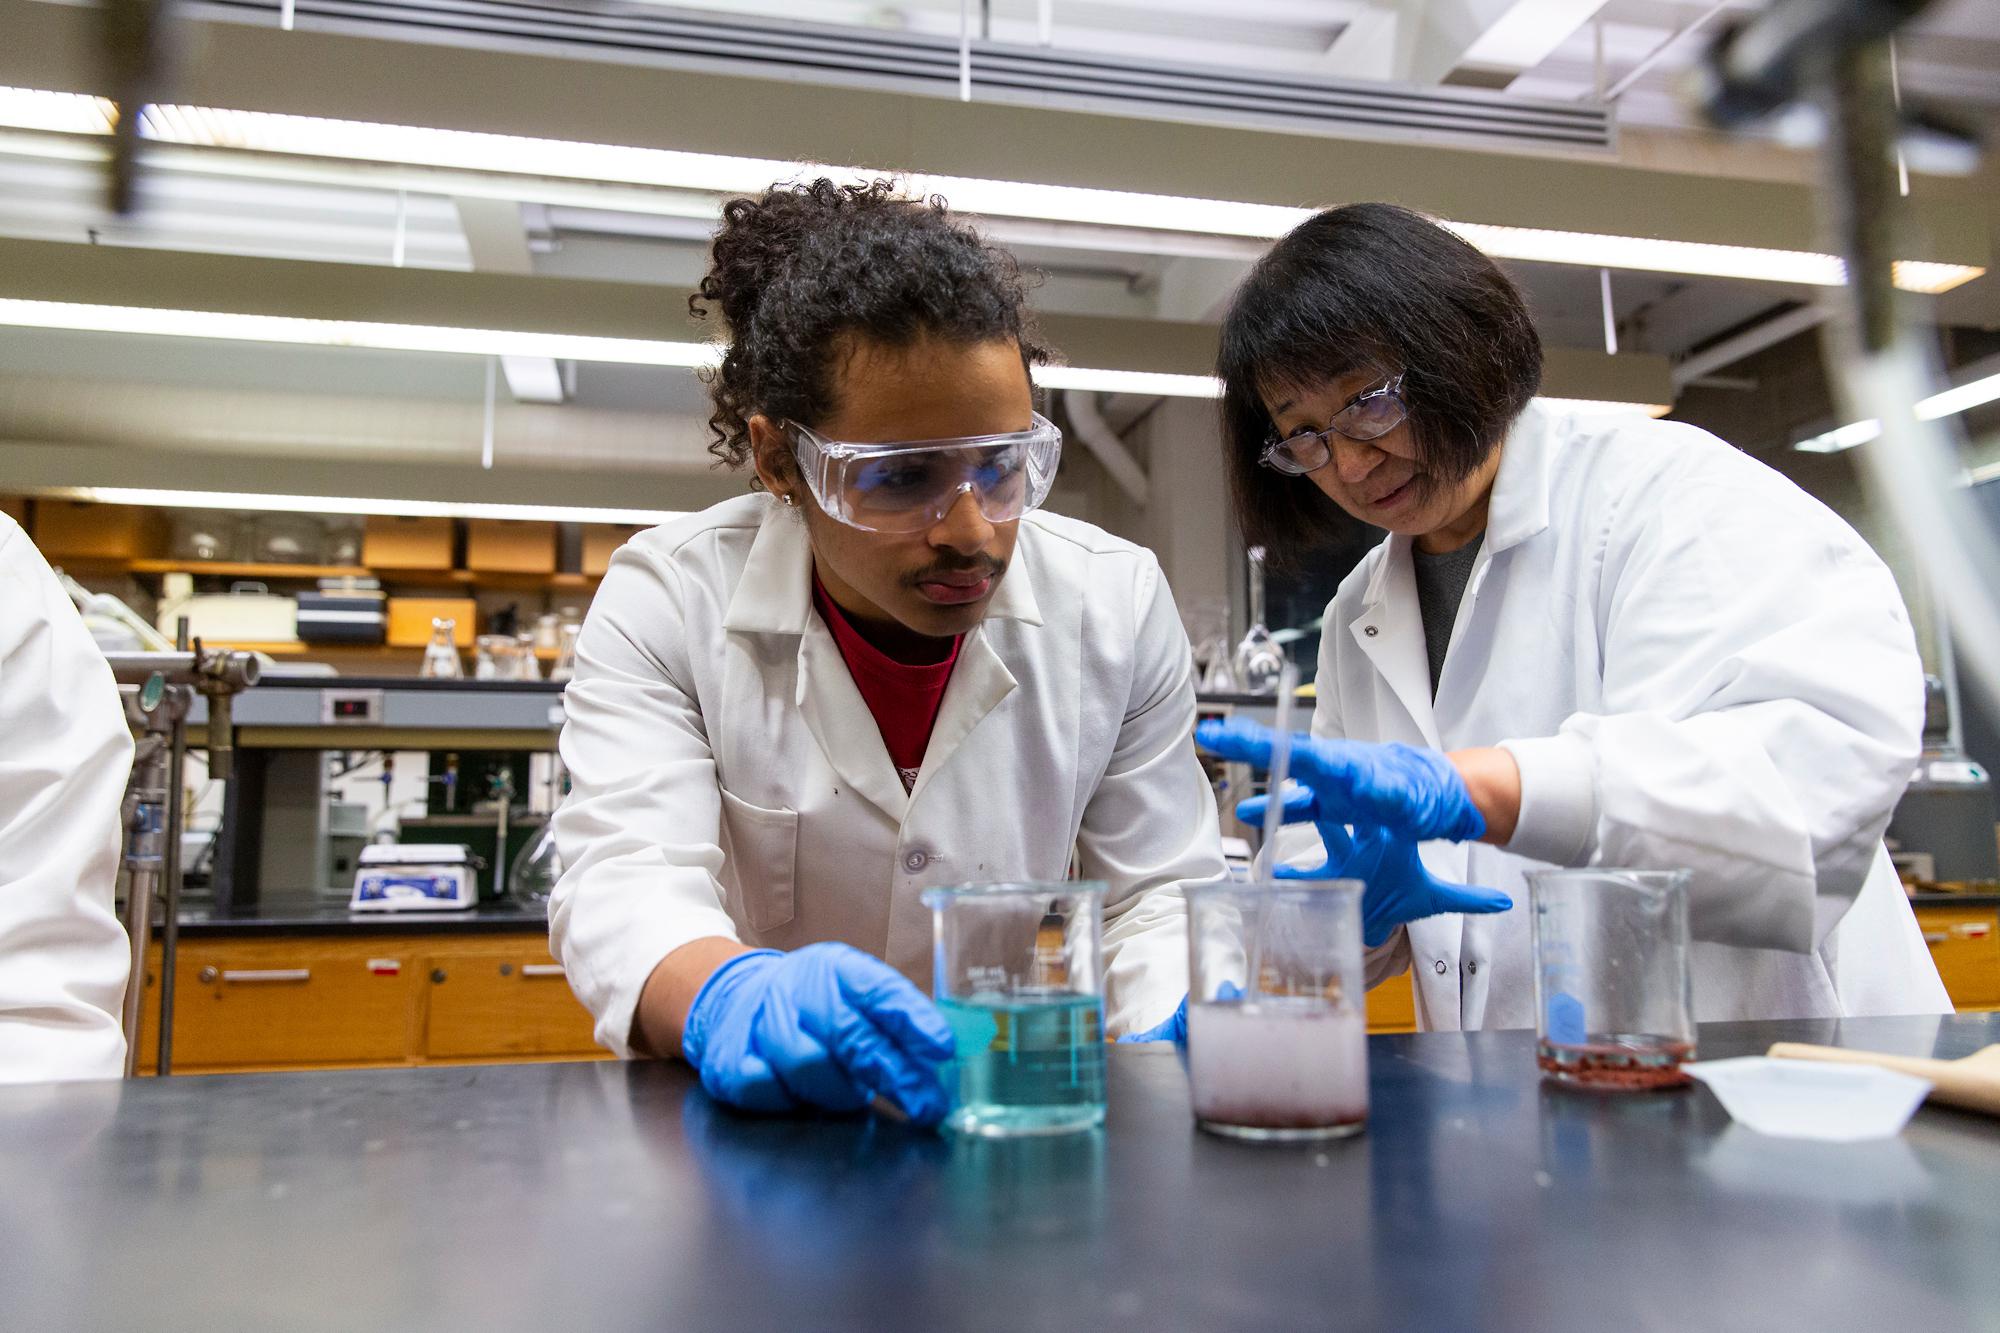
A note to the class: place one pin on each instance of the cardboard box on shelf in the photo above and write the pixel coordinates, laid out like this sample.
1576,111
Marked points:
410,620
394,542
81,530
510,546
599,541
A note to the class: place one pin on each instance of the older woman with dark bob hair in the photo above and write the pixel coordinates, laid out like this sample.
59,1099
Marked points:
1586,640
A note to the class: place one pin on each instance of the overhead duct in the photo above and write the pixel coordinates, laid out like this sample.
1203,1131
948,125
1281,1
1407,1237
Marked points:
1748,342
1088,426
896,61
344,427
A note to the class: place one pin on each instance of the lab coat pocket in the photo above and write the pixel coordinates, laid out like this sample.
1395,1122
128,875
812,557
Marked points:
760,854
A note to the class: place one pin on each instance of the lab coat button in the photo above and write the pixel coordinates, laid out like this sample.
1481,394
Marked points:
1472,969
916,861
1370,631
1440,967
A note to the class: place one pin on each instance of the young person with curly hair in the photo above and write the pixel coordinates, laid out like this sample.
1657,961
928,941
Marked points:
883,670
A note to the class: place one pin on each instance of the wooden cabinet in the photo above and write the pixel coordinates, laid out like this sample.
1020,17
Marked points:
262,1003
1965,943
243,1004
507,998
80,529
247,1004
510,546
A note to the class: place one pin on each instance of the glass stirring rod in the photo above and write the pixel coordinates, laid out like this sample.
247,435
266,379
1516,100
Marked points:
1274,814
1281,771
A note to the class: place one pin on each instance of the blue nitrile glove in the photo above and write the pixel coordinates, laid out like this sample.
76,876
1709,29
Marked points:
1398,888
826,1025
1415,793
1174,1028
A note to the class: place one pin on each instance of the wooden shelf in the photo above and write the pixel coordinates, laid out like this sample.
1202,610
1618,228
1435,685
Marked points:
298,649
382,650
224,569
233,570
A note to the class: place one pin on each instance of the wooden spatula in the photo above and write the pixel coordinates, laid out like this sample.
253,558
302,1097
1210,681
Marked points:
1973,1083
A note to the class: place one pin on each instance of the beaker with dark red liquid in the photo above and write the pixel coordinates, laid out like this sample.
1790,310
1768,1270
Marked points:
1614,1005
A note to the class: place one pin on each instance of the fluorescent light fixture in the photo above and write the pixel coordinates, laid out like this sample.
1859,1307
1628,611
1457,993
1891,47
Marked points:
1844,437
612,164
1128,381
335,504
1594,407
352,333
1960,399
489,342
561,346
1944,404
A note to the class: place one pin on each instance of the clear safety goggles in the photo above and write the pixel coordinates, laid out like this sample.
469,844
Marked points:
911,485
1369,416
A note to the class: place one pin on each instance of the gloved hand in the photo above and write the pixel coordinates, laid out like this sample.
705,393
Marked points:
1414,793
826,1025
1174,1027
1398,888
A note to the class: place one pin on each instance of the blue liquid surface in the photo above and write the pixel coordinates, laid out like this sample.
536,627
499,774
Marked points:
1027,1063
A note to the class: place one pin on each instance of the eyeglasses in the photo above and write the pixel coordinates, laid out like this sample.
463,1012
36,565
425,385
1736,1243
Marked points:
910,486
1369,416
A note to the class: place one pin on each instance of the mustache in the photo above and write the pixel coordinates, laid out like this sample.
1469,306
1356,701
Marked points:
985,566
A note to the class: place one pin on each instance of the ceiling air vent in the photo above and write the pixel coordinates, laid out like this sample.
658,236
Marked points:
928,65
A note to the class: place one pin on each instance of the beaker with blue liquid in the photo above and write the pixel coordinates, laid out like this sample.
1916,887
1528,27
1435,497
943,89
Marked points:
1019,975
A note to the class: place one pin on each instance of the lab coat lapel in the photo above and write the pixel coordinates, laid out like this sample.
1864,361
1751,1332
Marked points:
1390,633
1517,510
981,680
839,720
978,684
774,596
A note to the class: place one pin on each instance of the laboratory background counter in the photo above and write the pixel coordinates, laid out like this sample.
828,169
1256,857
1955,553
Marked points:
324,988
501,918
618,1196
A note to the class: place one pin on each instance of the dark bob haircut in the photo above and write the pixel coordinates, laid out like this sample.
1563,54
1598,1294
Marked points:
1370,287
799,268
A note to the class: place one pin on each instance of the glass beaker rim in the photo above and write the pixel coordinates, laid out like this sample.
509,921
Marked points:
1259,888
940,894
1639,878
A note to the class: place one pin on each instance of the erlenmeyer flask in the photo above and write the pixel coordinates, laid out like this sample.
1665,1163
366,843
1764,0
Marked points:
534,876
1258,657
441,654
565,666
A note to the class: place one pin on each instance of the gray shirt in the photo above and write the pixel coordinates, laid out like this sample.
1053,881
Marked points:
1441,581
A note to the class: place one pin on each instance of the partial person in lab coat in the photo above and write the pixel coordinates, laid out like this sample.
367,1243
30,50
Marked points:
882,671
65,753
1586,640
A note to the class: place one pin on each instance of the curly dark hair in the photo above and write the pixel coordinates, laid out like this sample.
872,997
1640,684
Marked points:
1370,287
804,264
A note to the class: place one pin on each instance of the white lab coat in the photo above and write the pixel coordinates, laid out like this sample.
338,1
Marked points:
65,754
1696,665
728,779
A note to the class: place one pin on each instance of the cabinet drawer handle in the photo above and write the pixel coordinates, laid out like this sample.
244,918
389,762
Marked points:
541,969
1936,936
251,976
